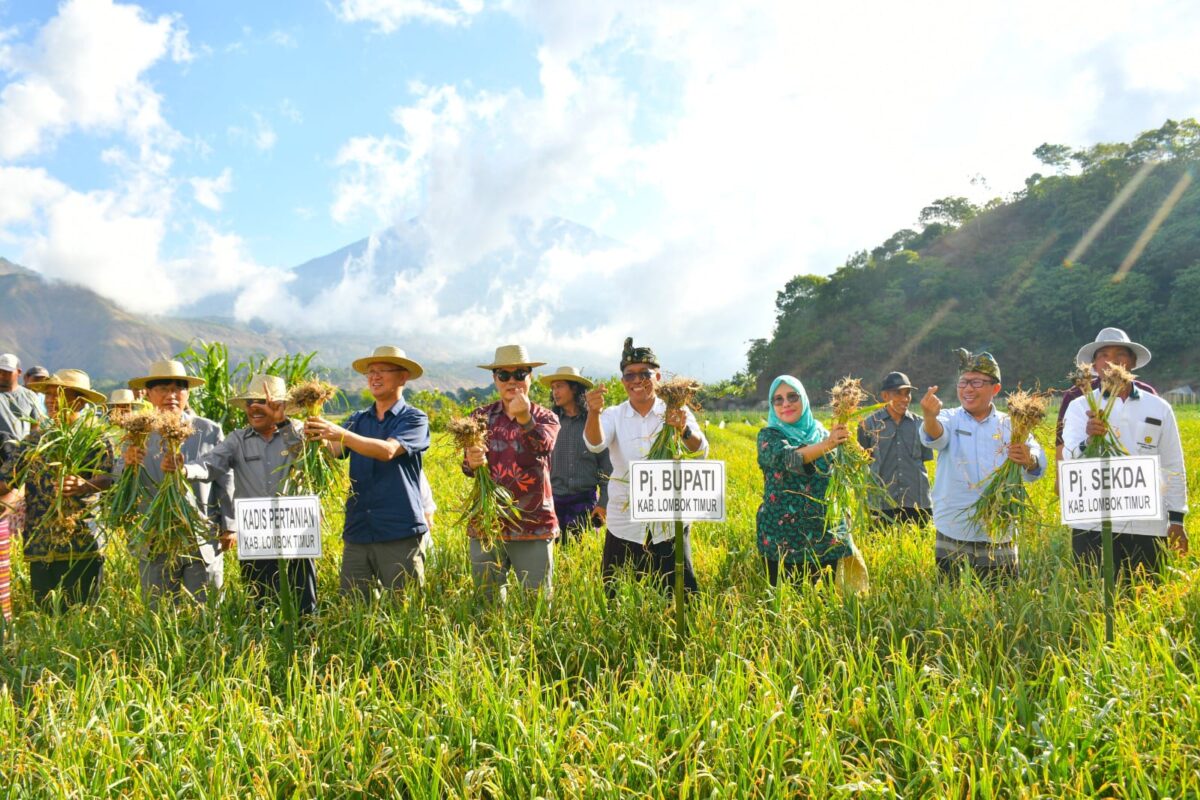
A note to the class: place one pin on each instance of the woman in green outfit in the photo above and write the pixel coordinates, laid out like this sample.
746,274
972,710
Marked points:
792,452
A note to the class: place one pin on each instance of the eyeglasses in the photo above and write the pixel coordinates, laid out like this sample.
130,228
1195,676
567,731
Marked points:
780,399
375,373
975,383
504,375
636,375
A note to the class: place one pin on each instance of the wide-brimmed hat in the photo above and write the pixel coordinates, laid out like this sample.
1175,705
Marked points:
565,374
166,371
121,397
1113,336
263,387
895,381
387,354
74,379
512,355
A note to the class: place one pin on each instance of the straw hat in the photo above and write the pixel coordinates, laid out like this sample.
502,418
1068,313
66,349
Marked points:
565,374
263,387
74,379
388,354
166,371
1113,336
511,355
121,397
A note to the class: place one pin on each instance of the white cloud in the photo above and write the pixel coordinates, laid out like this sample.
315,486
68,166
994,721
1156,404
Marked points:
734,146
290,111
262,136
282,38
85,71
208,191
389,15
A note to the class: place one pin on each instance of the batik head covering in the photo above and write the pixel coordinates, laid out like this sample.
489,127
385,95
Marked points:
637,355
983,363
804,431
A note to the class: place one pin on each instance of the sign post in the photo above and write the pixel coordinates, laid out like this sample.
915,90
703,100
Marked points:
1102,490
677,491
278,527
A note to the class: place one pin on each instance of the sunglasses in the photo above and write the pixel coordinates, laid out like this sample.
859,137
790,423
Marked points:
636,375
780,399
504,375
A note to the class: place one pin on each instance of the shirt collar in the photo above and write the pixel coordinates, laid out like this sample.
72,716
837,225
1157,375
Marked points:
394,410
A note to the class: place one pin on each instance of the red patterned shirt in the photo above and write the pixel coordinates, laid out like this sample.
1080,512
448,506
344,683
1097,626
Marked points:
519,460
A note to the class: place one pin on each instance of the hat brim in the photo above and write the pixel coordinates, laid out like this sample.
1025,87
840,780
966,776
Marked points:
415,370
243,402
140,383
894,388
1087,353
546,380
530,364
93,397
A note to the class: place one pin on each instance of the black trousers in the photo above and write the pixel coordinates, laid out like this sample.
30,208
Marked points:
1130,551
656,561
262,581
77,581
902,516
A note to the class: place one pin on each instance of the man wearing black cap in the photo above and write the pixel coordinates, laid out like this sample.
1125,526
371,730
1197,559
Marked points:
893,435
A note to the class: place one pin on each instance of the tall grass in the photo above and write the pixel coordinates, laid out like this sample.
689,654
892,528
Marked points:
919,689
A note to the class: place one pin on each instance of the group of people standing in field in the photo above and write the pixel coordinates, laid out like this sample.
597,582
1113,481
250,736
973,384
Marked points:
556,463
969,442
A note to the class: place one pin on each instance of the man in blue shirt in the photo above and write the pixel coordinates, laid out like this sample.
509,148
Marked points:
385,533
971,442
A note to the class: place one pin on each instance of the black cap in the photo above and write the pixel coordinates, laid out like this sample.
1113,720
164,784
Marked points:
895,380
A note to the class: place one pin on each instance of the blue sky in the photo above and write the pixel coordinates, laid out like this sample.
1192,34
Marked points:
161,151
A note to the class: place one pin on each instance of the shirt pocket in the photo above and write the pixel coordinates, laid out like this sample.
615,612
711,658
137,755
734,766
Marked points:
1149,433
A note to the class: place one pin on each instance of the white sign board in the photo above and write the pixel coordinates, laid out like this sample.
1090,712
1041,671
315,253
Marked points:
691,491
278,527
1121,489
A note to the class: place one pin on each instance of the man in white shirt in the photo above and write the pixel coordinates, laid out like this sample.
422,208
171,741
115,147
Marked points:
627,430
1145,425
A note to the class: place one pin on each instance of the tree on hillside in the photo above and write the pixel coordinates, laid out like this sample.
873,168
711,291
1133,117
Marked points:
953,211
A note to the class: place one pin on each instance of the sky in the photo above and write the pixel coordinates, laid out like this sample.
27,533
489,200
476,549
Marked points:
163,152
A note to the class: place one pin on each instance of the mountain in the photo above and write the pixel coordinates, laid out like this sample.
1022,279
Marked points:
1112,238
63,325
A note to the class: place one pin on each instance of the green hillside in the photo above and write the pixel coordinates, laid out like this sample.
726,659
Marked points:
1026,277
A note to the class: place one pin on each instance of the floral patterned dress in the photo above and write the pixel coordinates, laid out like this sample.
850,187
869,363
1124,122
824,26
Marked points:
791,519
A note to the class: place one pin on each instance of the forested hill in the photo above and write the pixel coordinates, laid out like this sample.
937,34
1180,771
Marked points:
1018,277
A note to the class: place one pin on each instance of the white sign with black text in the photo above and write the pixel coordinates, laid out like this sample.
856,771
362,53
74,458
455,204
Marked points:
691,491
278,527
1121,489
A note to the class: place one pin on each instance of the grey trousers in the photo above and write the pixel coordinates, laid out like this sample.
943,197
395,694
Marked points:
533,562
391,564
189,576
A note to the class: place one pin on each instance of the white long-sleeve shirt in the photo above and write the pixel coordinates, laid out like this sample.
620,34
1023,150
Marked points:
1145,425
628,435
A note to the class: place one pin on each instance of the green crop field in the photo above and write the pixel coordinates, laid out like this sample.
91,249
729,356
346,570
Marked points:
919,689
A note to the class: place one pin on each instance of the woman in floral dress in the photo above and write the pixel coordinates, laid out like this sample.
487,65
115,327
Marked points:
792,452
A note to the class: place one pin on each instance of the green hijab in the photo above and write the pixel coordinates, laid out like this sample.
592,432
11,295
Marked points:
804,431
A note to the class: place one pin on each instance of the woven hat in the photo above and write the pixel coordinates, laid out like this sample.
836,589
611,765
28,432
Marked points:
511,355
74,379
166,371
387,354
1113,336
121,397
565,374
263,387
